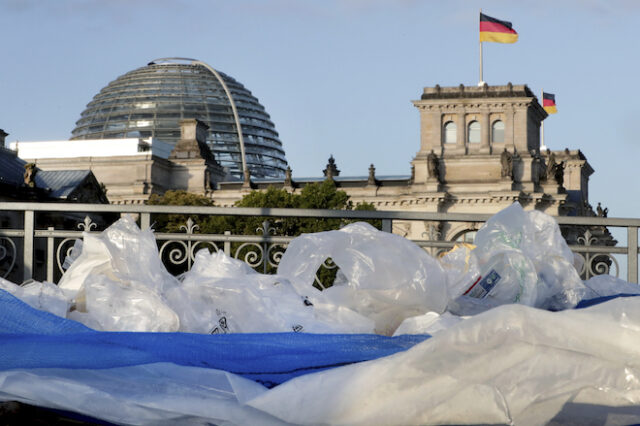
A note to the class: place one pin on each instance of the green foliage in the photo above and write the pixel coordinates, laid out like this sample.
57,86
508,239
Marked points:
271,198
324,195
317,195
174,222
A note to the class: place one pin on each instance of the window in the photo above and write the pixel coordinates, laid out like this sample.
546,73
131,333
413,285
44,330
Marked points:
466,236
497,131
450,134
474,132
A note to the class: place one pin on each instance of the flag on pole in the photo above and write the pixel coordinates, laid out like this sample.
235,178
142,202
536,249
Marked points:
549,103
495,30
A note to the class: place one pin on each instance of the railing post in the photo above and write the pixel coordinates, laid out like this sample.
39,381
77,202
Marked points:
266,230
387,225
27,254
145,221
227,244
632,254
50,260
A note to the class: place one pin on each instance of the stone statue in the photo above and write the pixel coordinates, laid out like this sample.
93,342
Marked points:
506,161
207,179
558,173
551,167
331,170
554,170
538,166
602,212
372,175
30,175
432,165
287,176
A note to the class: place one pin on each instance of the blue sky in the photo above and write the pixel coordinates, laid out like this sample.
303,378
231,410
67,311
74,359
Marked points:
338,76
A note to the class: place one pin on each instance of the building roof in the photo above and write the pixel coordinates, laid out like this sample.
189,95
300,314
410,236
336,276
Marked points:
51,184
61,183
483,91
11,167
152,100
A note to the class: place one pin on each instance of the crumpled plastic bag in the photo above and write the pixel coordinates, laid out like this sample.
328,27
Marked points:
460,264
386,277
118,282
607,285
520,257
44,296
429,323
227,296
510,365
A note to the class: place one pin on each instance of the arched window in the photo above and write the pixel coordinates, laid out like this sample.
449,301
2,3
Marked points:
497,131
474,132
466,236
450,132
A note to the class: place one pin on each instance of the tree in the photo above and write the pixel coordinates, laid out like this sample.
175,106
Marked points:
317,195
175,222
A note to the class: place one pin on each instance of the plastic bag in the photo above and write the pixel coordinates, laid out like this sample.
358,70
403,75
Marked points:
230,297
511,365
607,285
429,323
44,296
73,254
118,282
461,267
114,305
521,258
386,277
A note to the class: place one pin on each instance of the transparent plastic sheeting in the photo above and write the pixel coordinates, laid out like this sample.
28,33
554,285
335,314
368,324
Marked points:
118,283
138,378
510,365
383,277
507,347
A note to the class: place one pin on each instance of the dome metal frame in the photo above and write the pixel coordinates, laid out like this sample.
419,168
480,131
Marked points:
151,100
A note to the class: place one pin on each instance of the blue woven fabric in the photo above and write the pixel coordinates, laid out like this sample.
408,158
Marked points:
597,300
30,338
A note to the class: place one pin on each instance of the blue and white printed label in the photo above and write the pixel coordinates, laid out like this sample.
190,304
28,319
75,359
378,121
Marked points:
483,285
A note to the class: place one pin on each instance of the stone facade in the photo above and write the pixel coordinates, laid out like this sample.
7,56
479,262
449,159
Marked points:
479,152
131,179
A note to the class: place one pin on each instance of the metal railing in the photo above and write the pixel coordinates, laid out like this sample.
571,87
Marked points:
36,237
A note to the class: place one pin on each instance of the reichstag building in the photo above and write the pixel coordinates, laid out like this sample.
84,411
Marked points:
180,124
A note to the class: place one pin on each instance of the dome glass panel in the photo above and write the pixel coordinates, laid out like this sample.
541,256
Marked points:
152,100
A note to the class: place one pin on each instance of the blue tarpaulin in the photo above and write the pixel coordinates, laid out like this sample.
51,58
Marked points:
30,338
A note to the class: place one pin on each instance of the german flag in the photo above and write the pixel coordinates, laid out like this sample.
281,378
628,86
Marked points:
549,103
495,30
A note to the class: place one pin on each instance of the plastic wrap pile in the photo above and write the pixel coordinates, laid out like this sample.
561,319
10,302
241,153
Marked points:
485,334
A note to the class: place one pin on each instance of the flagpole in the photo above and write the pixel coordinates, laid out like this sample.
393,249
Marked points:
542,123
481,80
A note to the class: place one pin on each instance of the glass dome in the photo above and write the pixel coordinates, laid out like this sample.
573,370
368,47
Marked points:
150,102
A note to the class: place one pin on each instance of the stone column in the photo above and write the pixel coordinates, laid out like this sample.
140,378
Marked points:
461,132
486,132
509,127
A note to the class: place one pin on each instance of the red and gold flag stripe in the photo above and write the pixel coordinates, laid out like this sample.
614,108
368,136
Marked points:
495,30
549,103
